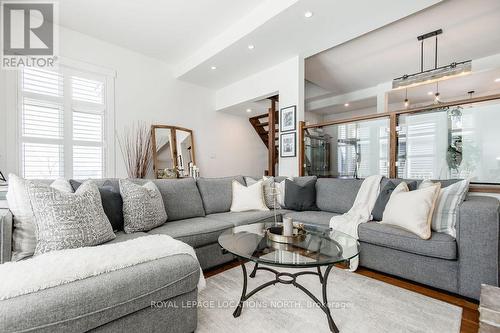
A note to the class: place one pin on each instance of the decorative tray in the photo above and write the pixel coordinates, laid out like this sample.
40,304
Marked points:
275,234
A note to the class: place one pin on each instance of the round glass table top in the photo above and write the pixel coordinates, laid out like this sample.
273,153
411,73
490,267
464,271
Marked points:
320,247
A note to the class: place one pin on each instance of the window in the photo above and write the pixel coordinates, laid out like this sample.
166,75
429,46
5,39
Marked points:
63,117
356,149
454,142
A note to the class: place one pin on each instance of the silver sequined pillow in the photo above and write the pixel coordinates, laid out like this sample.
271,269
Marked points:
68,220
143,207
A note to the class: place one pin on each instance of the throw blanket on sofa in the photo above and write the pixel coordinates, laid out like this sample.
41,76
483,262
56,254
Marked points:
60,267
360,212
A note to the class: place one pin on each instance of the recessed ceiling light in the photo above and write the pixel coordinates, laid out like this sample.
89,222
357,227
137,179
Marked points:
251,47
346,104
430,93
308,14
497,80
249,110
213,68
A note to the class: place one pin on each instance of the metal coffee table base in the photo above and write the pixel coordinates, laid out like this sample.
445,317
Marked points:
288,278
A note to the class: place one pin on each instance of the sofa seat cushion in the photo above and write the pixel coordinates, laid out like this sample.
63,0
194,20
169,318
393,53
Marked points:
440,245
89,303
242,218
312,217
198,231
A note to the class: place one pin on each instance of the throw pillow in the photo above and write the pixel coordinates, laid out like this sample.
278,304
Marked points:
111,202
412,210
143,207
385,194
246,198
270,191
300,198
68,220
23,232
280,189
447,206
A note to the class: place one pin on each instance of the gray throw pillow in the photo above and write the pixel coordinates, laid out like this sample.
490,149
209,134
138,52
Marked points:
68,220
300,198
143,207
383,198
111,202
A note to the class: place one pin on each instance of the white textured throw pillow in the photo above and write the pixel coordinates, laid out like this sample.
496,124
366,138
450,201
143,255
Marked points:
280,189
247,198
270,191
445,214
143,207
412,210
68,220
23,233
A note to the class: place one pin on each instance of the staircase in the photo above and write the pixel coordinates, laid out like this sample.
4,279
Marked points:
267,128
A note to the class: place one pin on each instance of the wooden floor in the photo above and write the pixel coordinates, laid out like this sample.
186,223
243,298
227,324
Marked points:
470,314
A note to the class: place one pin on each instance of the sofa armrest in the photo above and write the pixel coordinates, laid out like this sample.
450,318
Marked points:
5,235
478,244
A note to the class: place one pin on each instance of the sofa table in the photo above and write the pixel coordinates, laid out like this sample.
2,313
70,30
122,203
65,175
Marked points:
321,247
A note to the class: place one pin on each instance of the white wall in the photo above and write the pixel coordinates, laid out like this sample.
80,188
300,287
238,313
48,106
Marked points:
285,79
146,90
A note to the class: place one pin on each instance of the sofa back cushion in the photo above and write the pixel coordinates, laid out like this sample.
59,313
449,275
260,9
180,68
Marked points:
217,193
336,195
181,198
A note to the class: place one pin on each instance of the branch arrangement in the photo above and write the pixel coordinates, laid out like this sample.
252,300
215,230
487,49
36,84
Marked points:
135,145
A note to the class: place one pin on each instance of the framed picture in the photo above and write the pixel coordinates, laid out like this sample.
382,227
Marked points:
288,119
288,144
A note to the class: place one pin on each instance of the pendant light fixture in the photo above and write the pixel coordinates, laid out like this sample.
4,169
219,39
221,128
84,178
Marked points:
437,94
407,102
434,74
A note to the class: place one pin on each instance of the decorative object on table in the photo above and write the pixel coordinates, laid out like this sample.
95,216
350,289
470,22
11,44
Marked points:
287,226
166,174
288,144
135,145
194,171
288,119
2,177
277,234
173,148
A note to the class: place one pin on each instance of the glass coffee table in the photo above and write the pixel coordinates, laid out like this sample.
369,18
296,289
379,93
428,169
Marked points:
320,247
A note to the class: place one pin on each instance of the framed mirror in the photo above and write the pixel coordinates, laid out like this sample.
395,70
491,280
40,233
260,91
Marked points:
173,151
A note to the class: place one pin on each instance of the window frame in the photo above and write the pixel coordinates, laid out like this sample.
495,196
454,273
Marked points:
69,68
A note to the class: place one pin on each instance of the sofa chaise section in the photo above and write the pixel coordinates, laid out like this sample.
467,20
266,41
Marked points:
92,302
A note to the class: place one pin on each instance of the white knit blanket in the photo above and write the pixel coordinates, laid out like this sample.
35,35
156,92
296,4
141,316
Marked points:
60,267
360,212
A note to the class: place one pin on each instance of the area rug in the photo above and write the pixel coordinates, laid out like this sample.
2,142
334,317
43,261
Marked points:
358,304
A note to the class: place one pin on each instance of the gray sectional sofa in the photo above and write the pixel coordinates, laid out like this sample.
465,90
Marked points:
198,213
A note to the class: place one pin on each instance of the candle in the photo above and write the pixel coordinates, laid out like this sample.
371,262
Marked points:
287,226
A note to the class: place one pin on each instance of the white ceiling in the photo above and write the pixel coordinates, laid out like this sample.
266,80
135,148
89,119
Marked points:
471,30
193,36
289,33
169,30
